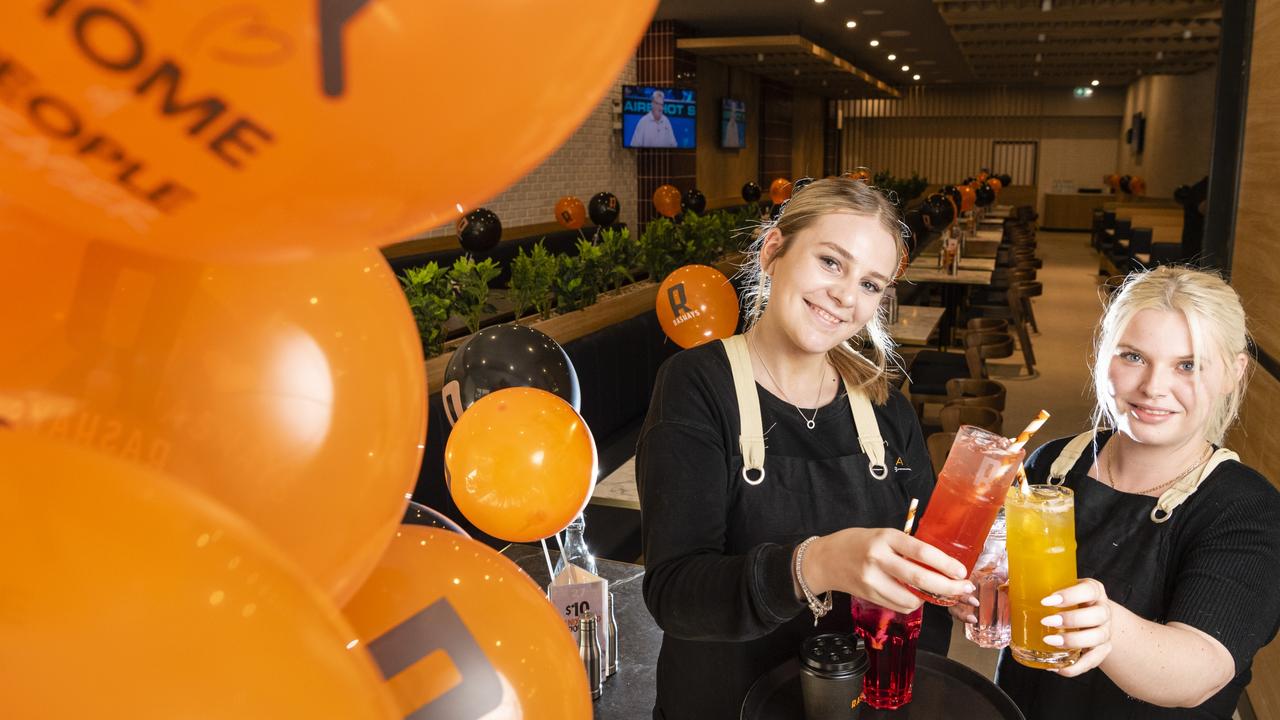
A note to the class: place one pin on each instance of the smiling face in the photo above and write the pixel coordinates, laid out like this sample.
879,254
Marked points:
826,284
1157,396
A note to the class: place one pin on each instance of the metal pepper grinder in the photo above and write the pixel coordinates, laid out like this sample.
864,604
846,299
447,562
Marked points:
611,664
589,651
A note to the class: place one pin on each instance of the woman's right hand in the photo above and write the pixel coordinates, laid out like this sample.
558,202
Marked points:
873,564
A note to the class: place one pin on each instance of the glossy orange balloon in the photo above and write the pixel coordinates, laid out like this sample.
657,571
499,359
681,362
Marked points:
666,200
1112,181
520,464
861,174
509,652
1137,186
127,595
995,184
282,128
697,304
968,196
570,212
982,176
780,190
293,393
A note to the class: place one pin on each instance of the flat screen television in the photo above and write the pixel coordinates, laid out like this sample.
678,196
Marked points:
658,117
733,123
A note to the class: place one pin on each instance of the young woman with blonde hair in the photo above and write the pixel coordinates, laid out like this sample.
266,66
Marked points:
1178,542
773,465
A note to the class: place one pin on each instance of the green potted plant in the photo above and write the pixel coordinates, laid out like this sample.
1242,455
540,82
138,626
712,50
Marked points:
580,277
431,299
533,281
470,281
658,249
620,253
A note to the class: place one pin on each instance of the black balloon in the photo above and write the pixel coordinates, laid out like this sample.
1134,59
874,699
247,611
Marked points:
1124,183
694,201
751,191
984,196
479,230
1181,194
504,356
936,212
603,209
954,192
1005,179
967,180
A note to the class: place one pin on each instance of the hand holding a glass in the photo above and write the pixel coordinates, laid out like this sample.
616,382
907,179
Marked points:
1085,626
874,564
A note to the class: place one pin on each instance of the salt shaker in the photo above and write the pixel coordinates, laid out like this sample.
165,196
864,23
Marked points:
589,651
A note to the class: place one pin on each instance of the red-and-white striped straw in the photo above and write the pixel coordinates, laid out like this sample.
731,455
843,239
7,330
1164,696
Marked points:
911,515
1031,429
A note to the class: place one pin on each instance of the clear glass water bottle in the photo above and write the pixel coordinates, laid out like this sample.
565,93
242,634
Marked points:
991,579
575,548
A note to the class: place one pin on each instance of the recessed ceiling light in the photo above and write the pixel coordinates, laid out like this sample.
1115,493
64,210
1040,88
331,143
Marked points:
906,68
819,1
892,57
1035,73
1186,34
875,43
915,77
1040,37
1159,54
851,24
1095,83
1046,5
1039,57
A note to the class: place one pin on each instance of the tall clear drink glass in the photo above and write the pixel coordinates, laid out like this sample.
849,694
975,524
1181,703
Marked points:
1042,561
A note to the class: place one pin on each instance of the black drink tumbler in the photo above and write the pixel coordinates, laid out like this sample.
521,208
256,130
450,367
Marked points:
831,670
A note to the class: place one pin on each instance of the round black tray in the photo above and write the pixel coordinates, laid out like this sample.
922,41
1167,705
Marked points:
942,689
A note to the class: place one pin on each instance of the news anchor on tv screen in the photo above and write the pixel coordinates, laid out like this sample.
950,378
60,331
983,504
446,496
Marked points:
654,129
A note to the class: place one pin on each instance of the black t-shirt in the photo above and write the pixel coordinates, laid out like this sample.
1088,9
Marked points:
1213,565
718,550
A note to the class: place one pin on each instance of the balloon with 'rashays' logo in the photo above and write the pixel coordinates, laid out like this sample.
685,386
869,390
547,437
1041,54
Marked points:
278,129
697,304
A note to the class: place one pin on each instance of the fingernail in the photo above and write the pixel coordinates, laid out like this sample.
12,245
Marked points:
971,620
974,601
1052,621
1054,640
1052,600
969,588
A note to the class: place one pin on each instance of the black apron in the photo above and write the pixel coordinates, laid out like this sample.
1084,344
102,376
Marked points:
1121,546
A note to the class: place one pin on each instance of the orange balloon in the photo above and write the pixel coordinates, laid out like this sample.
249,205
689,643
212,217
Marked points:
280,128
968,196
780,190
666,199
861,174
293,393
995,184
509,652
520,464
982,176
696,304
1137,186
129,595
1112,181
570,212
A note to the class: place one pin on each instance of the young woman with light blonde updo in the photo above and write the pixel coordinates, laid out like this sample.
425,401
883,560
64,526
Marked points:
1178,542
773,466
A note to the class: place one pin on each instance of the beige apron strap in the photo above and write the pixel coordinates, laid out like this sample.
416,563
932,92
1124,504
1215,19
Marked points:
1181,490
751,441
864,421
1068,457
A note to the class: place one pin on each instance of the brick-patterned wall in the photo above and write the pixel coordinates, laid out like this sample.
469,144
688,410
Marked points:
591,160
660,63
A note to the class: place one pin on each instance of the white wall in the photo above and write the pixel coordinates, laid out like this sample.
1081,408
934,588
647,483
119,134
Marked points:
590,161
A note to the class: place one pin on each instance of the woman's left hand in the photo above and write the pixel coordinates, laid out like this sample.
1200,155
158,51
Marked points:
1087,627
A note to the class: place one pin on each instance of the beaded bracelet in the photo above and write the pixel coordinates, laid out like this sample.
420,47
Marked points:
817,607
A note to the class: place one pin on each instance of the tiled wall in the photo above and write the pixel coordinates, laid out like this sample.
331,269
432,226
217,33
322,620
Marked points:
659,63
591,160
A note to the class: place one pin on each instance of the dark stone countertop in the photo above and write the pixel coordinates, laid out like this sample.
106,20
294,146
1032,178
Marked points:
630,692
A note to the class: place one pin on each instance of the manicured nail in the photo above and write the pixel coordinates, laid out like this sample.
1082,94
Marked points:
1052,600
971,620
969,588
1052,621
1054,640
974,601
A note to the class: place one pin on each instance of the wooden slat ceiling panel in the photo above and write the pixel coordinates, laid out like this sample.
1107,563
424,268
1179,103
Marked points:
1034,40
792,60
